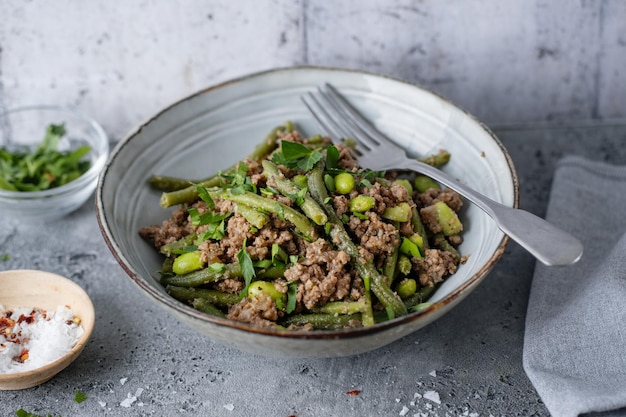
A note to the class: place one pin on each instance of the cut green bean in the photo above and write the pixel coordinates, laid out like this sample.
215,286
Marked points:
224,271
446,217
424,183
188,262
254,217
299,220
324,321
178,246
342,307
420,296
202,304
288,188
438,159
218,298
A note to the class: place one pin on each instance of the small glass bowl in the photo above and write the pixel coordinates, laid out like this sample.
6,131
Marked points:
26,126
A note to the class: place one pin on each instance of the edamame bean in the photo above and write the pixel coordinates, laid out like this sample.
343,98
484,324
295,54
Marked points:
258,287
188,262
362,203
424,183
406,288
344,183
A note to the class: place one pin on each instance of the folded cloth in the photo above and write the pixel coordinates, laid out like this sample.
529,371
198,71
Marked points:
575,337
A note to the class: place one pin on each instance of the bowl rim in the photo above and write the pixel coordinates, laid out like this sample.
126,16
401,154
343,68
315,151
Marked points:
166,301
80,182
51,369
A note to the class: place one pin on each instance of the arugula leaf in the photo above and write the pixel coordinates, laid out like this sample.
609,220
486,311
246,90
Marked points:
246,265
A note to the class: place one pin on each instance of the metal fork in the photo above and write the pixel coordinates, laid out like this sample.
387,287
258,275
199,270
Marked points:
338,119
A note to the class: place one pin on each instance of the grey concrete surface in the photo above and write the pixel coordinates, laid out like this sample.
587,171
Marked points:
506,61
141,362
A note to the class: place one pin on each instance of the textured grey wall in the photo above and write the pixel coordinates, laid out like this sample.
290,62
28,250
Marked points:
506,61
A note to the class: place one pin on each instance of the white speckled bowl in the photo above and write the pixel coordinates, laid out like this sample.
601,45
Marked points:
30,288
216,127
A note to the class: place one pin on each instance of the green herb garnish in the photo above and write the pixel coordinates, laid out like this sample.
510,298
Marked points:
79,396
296,156
45,167
246,265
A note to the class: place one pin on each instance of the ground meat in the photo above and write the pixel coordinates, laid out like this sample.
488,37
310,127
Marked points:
374,235
259,310
323,275
171,230
429,219
387,196
229,285
434,195
346,159
435,265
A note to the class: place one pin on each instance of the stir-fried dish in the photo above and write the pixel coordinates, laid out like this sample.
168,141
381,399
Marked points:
298,236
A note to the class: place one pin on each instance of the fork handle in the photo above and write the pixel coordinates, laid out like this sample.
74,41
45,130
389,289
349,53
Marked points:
546,242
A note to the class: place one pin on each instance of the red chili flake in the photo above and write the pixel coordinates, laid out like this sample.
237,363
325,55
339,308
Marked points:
6,324
28,319
354,392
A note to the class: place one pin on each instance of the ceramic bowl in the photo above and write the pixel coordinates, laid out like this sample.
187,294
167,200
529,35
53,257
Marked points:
216,127
45,290
25,127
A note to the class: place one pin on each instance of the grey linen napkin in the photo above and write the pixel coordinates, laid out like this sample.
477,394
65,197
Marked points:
575,337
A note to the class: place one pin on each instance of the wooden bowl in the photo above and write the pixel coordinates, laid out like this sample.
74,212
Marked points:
29,288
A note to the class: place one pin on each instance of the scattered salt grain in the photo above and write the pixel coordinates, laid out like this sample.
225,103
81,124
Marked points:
229,407
123,381
128,401
432,396
102,404
404,411
433,374
32,337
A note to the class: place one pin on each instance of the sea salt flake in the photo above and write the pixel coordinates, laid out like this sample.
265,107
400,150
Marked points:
433,374
123,381
102,404
45,336
128,401
432,396
229,407
404,411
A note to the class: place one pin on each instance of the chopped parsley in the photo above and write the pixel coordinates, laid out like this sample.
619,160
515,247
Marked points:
79,396
246,265
43,168
296,156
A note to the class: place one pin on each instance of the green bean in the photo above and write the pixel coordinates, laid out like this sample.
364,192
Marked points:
218,298
179,245
342,240
190,194
344,183
299,220
421,296
254,217
440,242
418,227
289,188
438,159
209,274
390,267
324,321
202,304
343,307
166,183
